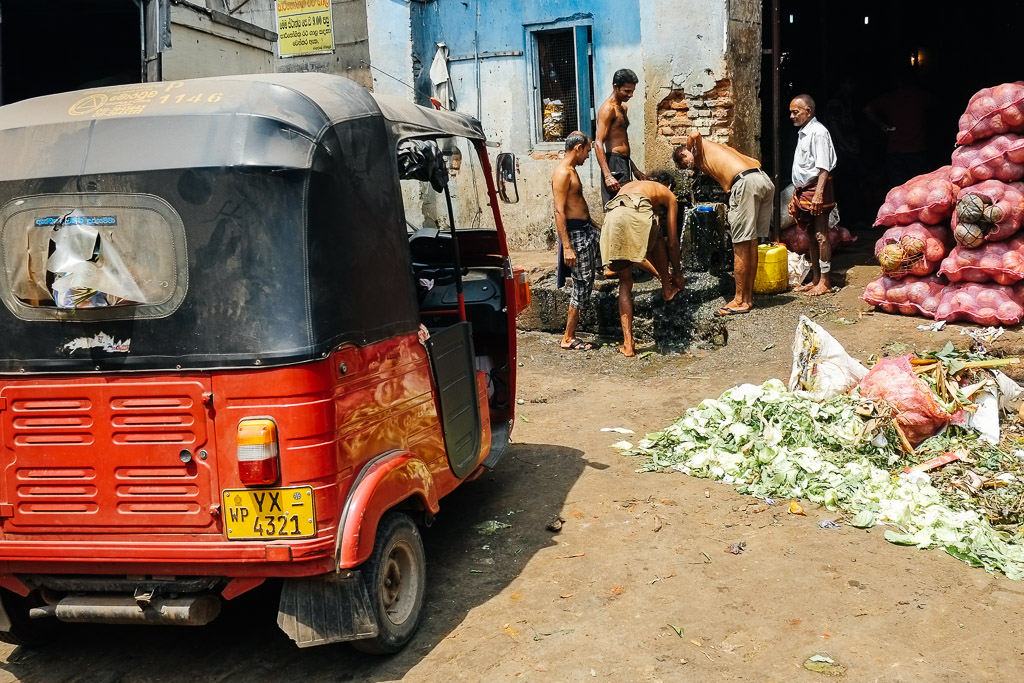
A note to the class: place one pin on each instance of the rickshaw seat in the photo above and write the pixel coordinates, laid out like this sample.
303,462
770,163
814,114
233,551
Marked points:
430,246
481,291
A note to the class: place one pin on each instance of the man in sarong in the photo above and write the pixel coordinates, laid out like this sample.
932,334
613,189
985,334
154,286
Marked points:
631,234
813,161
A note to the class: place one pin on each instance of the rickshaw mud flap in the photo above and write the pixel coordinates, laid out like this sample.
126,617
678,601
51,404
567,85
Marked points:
326,609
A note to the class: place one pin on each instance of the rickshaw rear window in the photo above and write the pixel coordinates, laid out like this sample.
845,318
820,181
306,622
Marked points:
425,205
96,256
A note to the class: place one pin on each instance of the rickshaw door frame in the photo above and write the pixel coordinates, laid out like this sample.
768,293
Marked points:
456,256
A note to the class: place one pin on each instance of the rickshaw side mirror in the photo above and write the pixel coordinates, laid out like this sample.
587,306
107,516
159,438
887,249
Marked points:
505,169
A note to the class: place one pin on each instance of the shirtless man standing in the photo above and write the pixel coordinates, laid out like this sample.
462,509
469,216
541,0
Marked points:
751,198
575,232
611,144
630,235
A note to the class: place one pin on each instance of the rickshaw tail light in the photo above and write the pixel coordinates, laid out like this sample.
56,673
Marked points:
258,461
523,295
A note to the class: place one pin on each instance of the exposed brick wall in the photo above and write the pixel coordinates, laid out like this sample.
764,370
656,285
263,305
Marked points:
711,113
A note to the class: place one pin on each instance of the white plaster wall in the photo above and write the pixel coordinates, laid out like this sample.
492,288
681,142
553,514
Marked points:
682,49
390,30
503,116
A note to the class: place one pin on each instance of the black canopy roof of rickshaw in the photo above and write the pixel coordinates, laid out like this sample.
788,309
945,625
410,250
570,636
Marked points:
274,176
307,104
408,120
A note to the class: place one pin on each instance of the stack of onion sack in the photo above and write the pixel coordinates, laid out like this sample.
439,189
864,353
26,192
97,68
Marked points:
985,269
988,262
916,215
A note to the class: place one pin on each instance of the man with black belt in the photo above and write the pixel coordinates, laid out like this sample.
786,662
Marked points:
751,198
611,144
577,236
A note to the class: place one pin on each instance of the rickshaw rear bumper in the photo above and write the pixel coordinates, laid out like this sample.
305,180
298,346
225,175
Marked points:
310,557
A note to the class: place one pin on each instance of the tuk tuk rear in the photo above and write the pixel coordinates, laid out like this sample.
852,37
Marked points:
231,355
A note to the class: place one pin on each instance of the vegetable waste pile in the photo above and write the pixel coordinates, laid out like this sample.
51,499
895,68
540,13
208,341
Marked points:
916,444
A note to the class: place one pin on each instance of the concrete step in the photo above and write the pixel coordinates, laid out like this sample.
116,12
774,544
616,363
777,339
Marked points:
688,321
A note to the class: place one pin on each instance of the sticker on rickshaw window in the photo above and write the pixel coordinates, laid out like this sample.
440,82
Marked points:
76,220
253,514
89,254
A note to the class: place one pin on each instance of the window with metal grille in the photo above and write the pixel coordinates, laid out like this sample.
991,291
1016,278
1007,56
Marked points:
562,82
556,57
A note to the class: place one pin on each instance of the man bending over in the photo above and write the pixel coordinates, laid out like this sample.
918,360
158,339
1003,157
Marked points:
751,198
630,234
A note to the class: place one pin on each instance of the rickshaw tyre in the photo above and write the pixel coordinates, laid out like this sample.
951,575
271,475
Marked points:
397,552
25,631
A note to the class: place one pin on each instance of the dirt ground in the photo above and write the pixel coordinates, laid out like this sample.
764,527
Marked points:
637,585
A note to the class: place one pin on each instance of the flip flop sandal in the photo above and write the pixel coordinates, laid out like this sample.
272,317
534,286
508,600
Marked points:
726,312
578,345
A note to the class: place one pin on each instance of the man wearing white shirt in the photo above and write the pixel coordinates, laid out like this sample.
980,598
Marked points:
814,197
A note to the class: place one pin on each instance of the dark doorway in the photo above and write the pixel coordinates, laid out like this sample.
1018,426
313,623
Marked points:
61,45
877,47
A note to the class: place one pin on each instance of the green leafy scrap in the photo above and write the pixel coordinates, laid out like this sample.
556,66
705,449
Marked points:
769,442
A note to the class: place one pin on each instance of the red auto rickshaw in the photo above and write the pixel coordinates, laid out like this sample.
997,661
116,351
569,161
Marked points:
254,327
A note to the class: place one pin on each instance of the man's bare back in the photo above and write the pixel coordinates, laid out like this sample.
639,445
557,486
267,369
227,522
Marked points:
662,201
718,161
665,264
661,197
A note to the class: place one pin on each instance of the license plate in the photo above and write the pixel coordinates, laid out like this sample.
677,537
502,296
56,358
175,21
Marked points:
269,513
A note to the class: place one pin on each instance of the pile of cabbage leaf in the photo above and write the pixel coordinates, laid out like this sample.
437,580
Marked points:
770,442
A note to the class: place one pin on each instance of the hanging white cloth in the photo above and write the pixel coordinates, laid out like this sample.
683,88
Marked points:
441,80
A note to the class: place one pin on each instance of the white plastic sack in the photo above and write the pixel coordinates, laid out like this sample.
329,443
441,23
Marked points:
785,220
798,266
1009,391
821,366
986,419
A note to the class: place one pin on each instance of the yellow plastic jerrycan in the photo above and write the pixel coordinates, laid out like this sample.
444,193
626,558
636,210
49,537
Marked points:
772,274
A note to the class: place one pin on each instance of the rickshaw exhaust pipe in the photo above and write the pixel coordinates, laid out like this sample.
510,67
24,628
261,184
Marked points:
195,610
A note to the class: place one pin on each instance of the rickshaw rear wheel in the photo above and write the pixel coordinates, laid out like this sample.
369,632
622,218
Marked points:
395,577
25,630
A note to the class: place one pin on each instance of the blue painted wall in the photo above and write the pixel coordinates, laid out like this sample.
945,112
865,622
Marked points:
616,24
506,81
502,28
